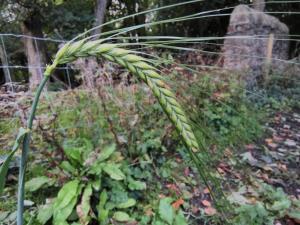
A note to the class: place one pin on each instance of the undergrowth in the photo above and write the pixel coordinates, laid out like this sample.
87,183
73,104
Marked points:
145,160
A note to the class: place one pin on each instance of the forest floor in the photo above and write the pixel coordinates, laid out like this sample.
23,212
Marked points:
265,172
273,159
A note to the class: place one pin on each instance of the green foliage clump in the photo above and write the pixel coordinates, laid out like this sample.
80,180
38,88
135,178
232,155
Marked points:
273,204
96,186
222,114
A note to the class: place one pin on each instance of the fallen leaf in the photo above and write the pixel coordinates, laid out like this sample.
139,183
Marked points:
174,188
220,170
178,203
250,147
269,140
272,145
195,209
210,211
290,143
206,203
186,171
206,191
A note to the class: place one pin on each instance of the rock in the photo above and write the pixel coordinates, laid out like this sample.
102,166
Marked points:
28,203
290,143
249,44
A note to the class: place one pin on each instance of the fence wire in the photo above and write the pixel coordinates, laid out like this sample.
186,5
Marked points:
9,68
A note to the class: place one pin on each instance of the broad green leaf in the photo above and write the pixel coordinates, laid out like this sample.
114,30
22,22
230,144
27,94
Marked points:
281,205
166,211
65,201
294,214
77,149
85,206
103,199
37,182
113,171
136,185
180,219
45,213
66,165
96,169
74,154
102,212
129,203
121,216
106,152
5,165
96,184
58,2
158,222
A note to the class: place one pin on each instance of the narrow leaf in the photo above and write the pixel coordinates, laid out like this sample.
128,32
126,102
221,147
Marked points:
102,212
5,165
84,208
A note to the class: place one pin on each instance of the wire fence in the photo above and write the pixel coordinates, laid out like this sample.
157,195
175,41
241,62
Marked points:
9,68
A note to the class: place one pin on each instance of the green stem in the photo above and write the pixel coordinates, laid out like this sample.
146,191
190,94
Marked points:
25,150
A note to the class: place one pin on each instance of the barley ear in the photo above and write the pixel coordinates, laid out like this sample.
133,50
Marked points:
143,70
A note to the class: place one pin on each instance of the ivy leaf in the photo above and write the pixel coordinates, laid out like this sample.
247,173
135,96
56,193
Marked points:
65,201
45,213
37,182
165,210
121,216
113,171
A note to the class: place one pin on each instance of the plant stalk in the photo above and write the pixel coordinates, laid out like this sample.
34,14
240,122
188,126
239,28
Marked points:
25,150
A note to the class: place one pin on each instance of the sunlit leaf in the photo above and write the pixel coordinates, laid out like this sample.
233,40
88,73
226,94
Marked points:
129,203
106,152
121,216
45,213
65,201
166,211
114,172
37,182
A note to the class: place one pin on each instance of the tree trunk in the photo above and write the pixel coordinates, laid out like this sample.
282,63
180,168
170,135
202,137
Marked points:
259,5
100,15
89,67
4,63
35,50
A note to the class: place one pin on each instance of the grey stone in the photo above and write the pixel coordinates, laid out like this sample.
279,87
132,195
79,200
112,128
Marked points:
290,143
248,41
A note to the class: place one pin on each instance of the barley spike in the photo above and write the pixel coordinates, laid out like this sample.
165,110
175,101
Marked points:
139,67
